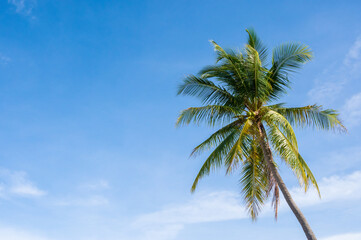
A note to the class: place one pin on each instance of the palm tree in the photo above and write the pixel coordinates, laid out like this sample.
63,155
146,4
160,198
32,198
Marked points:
238,94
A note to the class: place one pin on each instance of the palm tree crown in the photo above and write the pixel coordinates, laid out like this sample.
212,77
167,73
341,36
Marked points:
239,93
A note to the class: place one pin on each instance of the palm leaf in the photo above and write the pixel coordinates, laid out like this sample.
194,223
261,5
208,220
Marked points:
217,137
206,90
210,114
215,159
235,154
312,115
231,59
255,42
286,150
273,117
286,58
254,181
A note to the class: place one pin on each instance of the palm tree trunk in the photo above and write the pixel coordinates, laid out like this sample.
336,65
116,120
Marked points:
269,161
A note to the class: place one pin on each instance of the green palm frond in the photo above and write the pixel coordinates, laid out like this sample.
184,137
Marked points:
228,56
286,58
273,117
206,90
235,154
231,60
215,159
217,137
259,87
210,114
289,57
255,42
254,181
225,74
287,151
255,68
312,115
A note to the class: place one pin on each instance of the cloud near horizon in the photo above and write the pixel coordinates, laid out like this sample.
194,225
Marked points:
346,236
18,234
166,223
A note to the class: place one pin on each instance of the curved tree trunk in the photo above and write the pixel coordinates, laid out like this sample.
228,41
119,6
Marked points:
269,160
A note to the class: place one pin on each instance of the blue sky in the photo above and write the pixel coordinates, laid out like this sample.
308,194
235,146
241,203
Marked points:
88,147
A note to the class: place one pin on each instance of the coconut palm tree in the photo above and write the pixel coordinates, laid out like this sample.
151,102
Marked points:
238,94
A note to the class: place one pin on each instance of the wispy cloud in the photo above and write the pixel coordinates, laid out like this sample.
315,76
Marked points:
326,91
16,183
18,234
204,207
24,7
353,56
333,79
333,188
347,236
221,206
351,112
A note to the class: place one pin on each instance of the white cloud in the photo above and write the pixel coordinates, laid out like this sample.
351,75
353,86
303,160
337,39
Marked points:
27,189
17,234
333,188
14,183
353,56
165,224
216,206
324,91
24,7
351,111
332,81
204,207
347,236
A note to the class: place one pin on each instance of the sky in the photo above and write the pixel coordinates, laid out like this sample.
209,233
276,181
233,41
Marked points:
88,144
